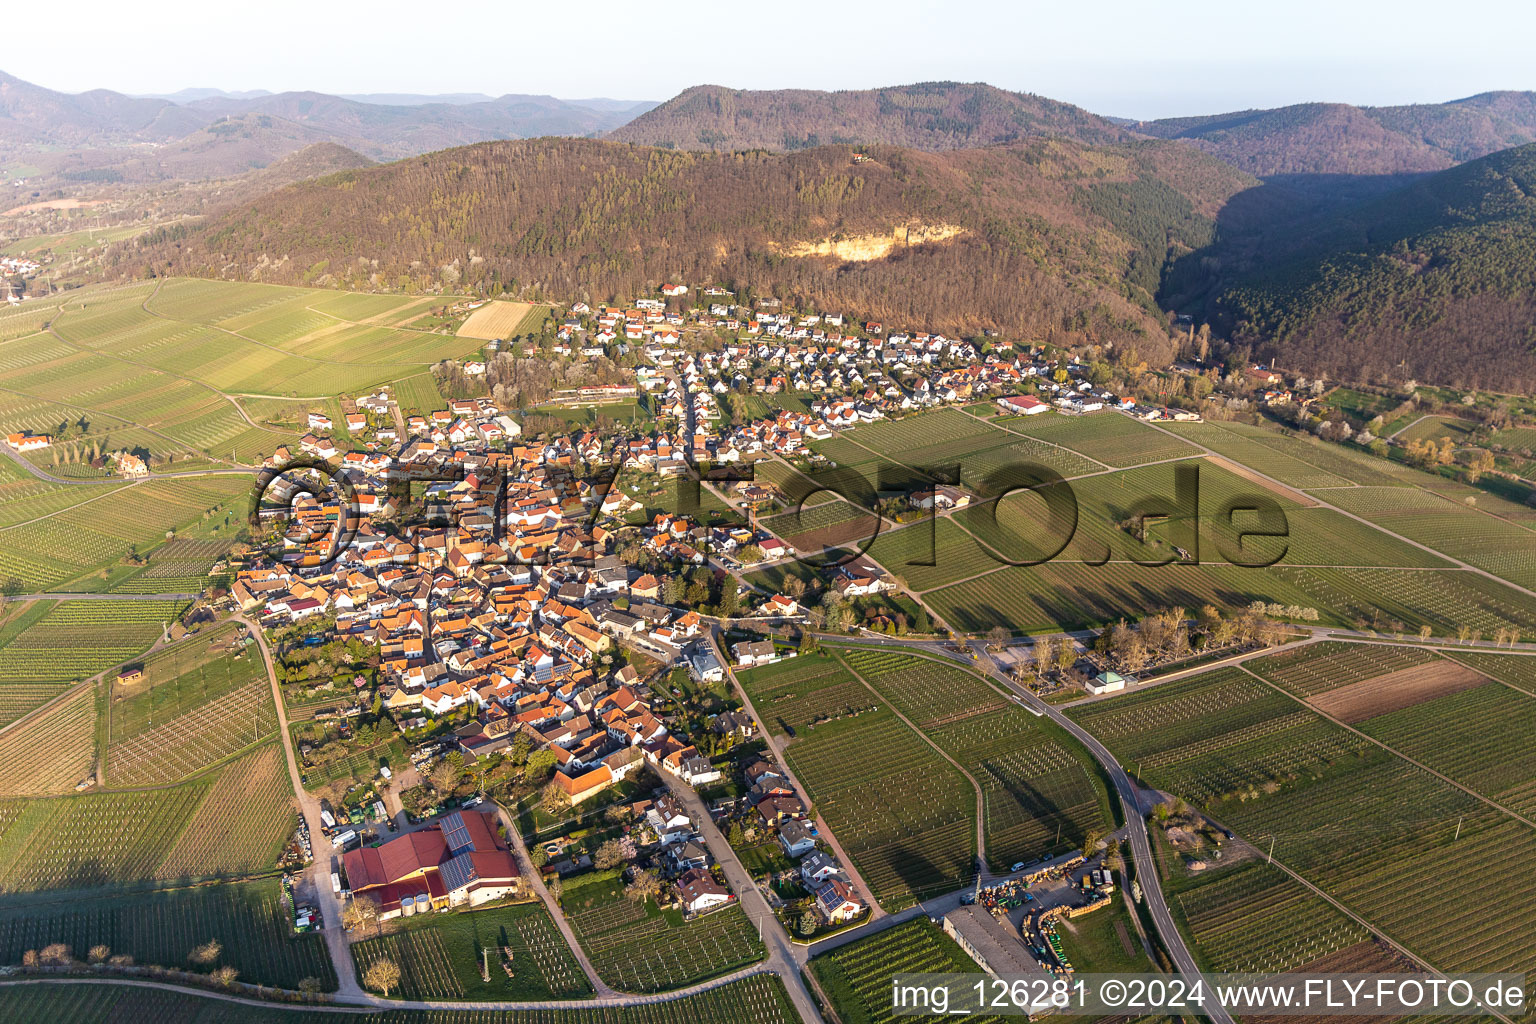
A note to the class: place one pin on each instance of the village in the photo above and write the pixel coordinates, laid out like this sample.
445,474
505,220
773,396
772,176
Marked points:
519,605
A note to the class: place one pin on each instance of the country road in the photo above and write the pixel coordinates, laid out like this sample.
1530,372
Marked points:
15,457
335,935
781,952
1126,790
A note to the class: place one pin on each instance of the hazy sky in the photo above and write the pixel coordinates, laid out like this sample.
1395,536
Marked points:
1114,57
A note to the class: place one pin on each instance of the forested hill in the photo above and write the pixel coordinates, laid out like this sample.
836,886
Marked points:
1434,281
929,115
1338,139
1046,240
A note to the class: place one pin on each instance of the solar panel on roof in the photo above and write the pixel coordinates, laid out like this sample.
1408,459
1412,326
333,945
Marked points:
458,872
455,833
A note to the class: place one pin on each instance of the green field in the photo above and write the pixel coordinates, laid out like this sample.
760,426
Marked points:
828,523
1295,460
441,956
1106,437
83,547
1040,791
231,822
47,646
903,813
857,977
1458,529
1326,561
160,927
1217,734
1318,668
942,439
1478,737
1438,428
1103,941
1252,917
200,701
163,367
1364,825
53,750
69,242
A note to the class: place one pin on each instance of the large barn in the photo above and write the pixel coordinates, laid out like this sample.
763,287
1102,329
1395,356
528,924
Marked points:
456,861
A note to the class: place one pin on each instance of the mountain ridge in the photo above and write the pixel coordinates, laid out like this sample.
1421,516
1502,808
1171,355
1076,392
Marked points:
1045,239
932,116
101,136
1339,138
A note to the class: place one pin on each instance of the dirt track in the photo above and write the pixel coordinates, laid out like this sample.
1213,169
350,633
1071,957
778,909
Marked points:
1274,487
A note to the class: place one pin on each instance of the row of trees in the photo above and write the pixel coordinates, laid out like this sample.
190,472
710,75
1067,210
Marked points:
1170,635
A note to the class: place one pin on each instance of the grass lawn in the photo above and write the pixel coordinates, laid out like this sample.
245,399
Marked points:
765,857
1104,941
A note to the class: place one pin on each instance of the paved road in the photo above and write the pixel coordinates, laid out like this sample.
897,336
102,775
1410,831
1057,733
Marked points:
15,457
536,879
1126,791
7,451
320,871
368,1003
782,958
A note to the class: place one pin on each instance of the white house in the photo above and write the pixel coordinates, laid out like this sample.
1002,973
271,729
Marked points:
796,838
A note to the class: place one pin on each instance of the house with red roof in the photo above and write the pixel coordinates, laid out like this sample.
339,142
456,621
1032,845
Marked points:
458,861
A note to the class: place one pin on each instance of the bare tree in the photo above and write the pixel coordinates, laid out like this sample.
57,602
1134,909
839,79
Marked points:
207,953
382,975
609,855
361,914
644,886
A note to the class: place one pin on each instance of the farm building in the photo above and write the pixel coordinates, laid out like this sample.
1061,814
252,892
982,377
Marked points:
28,442
995,949
1108,681
459,860
1021,405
